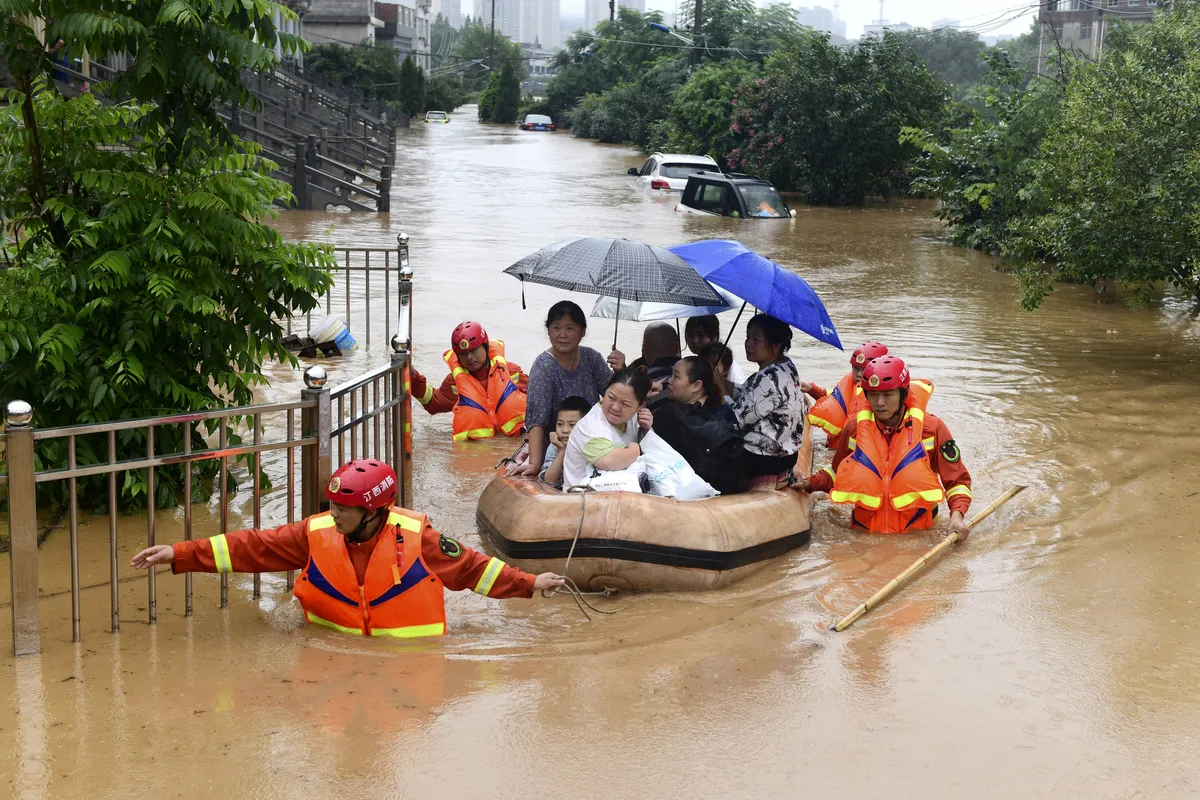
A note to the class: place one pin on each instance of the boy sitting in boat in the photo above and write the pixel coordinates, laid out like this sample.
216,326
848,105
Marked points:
572,410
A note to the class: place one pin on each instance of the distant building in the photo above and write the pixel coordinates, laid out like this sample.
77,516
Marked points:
540,22
508,16
1081,25
636,5
347,22
451,11
877,29
406,29
947,22
821,19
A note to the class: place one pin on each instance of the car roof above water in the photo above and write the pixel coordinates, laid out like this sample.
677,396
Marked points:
684,158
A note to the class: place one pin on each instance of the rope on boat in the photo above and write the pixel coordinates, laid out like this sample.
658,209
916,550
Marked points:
577,594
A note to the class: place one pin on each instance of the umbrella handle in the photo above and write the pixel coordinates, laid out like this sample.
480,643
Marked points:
735,322
617,321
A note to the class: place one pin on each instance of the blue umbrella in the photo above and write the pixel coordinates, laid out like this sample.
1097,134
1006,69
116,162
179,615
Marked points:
762,283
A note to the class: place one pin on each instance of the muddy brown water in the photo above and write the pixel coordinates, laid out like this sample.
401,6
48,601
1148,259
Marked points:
1056,655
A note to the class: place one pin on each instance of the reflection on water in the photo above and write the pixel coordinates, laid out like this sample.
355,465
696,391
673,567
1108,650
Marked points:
1056,655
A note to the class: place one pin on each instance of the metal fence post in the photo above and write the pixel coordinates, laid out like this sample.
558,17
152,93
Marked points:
300,177
22,528
402,354
385,189
316,460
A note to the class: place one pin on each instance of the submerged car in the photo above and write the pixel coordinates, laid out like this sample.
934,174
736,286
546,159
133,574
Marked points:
437,116
537,122
669,172
732,195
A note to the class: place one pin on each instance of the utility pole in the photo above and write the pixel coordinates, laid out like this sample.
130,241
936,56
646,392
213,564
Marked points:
492,46
612,10
697,31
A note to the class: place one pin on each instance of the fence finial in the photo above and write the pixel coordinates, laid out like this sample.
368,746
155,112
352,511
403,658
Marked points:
18,414
315,377
399,343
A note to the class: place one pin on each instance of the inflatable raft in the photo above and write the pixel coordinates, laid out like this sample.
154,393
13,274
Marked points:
637,542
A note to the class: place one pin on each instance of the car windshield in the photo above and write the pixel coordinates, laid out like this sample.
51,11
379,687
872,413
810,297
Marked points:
537,119
683,170
436,115
763,201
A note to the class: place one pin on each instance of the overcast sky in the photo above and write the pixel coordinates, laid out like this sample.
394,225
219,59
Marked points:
986,17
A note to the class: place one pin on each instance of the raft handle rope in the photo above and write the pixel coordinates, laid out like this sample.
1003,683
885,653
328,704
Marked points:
577,594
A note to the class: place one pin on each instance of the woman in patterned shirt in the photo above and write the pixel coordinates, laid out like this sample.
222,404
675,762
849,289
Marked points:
769,406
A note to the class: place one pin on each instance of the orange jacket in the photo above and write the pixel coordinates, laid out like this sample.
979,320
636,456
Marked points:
444,398
939,467
399,595
832,410
483,410
289,547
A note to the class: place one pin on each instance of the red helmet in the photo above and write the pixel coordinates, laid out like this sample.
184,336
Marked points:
866,351
467,336
365,483
884,374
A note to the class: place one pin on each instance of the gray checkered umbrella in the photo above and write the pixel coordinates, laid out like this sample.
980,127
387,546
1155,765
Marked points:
618,268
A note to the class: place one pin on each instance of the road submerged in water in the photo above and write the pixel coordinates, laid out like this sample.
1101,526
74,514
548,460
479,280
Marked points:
1056,655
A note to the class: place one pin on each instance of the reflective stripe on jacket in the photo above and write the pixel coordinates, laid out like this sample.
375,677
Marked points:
831,411
400,596
891,483
481,411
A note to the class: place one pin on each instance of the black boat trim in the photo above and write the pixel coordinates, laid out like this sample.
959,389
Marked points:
664,555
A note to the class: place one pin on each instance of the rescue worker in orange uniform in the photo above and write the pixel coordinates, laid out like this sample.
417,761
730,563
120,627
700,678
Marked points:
485,391
370,569
895,462
846,400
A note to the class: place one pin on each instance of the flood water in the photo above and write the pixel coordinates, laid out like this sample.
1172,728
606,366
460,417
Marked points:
1056,655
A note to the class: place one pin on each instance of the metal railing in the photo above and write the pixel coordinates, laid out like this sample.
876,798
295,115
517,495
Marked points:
373,417
367,280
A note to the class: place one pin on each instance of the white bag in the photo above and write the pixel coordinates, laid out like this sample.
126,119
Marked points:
669,473
619,480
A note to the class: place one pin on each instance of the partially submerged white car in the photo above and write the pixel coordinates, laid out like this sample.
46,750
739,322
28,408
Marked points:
669,172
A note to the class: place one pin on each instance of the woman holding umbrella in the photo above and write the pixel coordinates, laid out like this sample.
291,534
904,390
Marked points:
769,407
564,370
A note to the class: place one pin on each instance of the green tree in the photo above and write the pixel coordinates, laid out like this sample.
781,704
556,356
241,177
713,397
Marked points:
698,119
143,278
444,93
620,49
412,87
474,48
629,111
1115,194
952,55
826,120
978,167
508,95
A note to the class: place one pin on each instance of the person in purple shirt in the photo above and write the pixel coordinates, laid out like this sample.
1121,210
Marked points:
566,369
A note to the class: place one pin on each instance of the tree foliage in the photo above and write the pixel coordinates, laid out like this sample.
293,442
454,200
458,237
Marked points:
500,100
142,278
978,167
1115,193
370,69
698,119
952,55
475,45
412,87
826,120
629,111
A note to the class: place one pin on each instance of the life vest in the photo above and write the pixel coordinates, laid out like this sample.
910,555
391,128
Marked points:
481,411
400,596
892,484
831,411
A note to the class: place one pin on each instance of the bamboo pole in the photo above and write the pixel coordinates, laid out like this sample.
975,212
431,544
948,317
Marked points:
921,562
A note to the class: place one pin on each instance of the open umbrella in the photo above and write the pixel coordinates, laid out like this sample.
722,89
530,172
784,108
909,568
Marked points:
635,311
631,271
762,283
